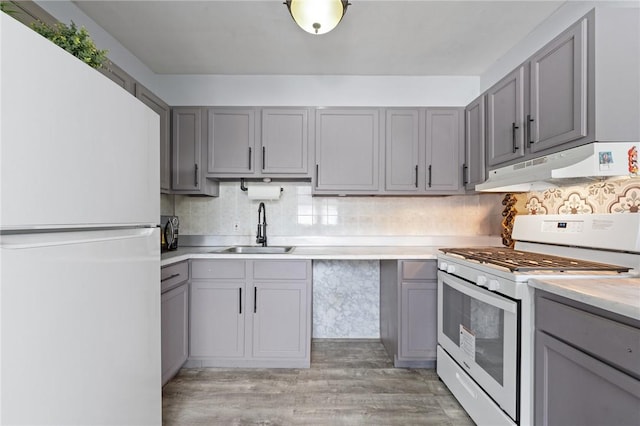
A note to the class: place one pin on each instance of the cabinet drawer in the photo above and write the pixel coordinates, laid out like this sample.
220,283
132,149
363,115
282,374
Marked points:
280,269
611,341
419,270
172,275
220,269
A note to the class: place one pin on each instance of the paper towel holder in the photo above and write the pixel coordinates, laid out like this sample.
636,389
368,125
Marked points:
266,180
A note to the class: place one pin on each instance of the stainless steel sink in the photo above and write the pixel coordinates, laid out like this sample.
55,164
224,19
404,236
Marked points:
258,250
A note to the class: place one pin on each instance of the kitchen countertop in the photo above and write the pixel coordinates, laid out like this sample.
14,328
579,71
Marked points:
619,295
308,253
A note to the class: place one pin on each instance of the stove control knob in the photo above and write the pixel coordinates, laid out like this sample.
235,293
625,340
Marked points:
451,269
442,266
493,285
481,280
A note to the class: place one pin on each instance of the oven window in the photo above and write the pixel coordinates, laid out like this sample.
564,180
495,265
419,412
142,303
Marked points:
477,328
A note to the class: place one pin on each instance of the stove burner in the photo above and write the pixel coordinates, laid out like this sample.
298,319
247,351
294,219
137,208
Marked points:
521,261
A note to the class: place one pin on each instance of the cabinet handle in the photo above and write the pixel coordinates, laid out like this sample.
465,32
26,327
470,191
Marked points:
195,174
240,300
513,136
416,175
255,300
249,158
169,278
529,121
429,175
317,174
464,174
264,155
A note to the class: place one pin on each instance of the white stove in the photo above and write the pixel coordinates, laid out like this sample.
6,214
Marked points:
485,307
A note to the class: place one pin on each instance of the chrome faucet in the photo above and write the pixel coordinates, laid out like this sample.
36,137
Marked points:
261,237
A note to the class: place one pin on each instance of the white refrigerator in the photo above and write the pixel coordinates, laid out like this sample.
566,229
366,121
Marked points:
79,243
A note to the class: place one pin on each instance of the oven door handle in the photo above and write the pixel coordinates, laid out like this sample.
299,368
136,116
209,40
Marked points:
479,293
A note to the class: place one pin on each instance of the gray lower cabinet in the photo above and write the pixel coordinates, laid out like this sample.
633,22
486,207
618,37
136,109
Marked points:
164,111
408,316
189,154
250,313
174,318
347,151
587,367
444,146
474,142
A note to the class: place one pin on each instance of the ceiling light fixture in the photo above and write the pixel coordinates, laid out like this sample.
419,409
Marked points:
317,16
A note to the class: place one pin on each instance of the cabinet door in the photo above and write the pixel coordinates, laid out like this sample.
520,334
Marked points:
285,141
418,330
162,109
402,150
558,101
231,141
187,148
280,320
175,330
217,319
347,150
444,149
118,76
505,118
475,170
573,388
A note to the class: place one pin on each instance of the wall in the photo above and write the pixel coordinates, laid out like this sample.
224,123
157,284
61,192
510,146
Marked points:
614,196
297,213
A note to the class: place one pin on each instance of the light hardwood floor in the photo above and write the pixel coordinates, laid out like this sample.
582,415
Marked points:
349,383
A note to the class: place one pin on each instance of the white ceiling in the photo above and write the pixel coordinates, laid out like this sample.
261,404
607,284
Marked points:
374,38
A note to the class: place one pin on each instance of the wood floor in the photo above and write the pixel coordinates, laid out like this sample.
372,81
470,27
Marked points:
349,383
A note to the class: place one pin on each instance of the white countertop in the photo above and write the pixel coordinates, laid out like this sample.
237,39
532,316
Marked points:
309,253
619,295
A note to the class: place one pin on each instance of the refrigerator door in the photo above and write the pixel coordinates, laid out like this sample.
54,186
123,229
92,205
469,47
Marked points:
80,328
76,149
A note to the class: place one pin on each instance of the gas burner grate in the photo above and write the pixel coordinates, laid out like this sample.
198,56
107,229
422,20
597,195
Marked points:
522,261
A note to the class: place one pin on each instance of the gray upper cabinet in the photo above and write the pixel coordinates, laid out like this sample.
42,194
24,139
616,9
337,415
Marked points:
119,76
474,163
402,150
347,150
231,141
163,110
505,118
285,141
444,149
188,176
558,102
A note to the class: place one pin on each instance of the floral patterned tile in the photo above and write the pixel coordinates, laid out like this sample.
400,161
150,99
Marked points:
621,196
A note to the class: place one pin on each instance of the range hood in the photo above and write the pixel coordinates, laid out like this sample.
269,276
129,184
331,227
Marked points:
594,161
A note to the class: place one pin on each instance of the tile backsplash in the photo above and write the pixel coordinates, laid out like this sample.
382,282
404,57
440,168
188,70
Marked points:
611,196
297,213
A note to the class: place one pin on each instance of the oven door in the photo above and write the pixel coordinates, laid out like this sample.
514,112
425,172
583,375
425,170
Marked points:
479,330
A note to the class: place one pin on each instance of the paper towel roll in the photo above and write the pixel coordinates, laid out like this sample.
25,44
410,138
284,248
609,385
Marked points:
263,192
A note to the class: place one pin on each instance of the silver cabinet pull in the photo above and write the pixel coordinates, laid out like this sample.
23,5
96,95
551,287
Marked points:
249,158
513,136
264,156
169,277
317,174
